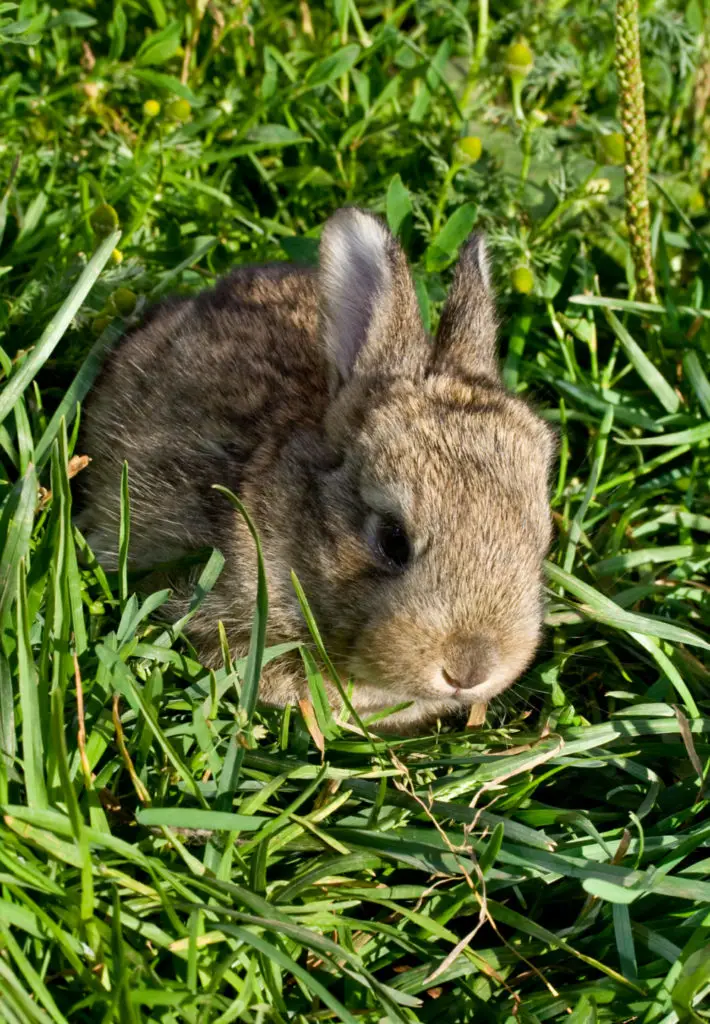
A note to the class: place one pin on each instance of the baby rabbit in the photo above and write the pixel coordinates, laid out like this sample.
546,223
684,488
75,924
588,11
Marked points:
392,472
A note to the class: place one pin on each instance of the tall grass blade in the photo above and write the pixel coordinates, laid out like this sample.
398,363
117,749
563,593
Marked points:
54,332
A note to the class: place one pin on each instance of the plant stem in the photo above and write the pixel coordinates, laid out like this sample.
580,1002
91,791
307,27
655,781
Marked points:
443,196
516,85
633,123
482,37
479,53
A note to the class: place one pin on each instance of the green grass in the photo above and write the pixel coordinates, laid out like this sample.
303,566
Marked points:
550,866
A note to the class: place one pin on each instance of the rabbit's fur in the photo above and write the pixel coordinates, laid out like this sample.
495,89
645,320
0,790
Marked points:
320,400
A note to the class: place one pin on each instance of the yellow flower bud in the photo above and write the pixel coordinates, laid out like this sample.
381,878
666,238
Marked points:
151,108
179,110
523,280
469,148
519,59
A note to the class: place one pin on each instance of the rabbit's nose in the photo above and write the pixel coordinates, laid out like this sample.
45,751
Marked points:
469,664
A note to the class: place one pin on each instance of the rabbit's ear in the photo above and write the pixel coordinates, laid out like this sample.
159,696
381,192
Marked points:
369,312
465,343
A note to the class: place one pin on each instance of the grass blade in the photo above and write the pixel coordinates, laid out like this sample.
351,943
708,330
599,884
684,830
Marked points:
16,524
32,743
79,389
643,365
54,332
124,536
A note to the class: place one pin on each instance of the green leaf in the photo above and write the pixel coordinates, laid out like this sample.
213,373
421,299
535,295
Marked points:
624,938
273,135
208,578
332,67
694,976
72,19
487,859
159,47
603,609
117,31
193,818
32,713
456,230
169,83
699,381
584,1012
8,739
301,249
229,776
399,206
692,435
16,524
554,279
159,13
307,978
643,365
644,309
78,389
124,535
650,556
54,331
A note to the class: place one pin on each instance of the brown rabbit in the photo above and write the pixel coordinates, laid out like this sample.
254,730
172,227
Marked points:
393,473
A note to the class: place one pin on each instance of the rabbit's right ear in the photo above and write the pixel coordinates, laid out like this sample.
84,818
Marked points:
465,343
369,311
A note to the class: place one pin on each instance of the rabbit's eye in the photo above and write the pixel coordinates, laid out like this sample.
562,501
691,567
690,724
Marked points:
391,543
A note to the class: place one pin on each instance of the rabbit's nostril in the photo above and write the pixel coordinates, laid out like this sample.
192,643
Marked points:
469,664
450,680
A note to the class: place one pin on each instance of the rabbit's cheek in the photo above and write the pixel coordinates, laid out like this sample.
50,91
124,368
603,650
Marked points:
418,658
397,657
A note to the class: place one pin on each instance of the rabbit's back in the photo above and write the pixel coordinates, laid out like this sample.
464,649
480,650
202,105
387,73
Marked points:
190,397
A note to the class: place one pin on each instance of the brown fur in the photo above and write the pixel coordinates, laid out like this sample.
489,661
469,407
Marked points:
318,398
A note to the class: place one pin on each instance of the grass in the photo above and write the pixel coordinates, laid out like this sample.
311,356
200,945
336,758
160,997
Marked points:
551,865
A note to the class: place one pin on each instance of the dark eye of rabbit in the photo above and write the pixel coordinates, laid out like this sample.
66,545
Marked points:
391,543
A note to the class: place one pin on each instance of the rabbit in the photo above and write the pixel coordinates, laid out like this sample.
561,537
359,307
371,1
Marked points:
406,488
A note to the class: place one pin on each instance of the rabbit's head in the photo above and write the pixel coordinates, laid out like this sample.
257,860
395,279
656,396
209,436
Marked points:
431,520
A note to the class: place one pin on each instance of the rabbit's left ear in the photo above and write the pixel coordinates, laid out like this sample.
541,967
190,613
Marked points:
465,344
370,319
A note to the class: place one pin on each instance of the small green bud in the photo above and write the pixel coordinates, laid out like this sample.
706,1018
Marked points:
523,280
123,301
519,59
100,324
151,108
179,110
696,203
97,608
103,220
613,147
38,130
469,149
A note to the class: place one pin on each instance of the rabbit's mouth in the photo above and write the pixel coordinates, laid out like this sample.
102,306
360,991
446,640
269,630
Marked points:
498,680
397,662
436,687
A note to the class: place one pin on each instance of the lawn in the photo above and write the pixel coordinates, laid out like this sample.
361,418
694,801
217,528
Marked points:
169,854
